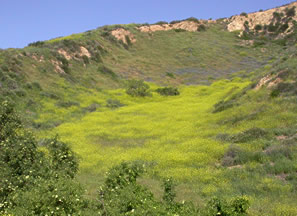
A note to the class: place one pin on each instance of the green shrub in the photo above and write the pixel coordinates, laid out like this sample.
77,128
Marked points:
223,105
236,207
37,44
171,75
201,28
62,158
175,21
168,91
106,71
244,14
258,27
113,103
272,27
85,59
193,19
67,104
284,27
161,23
53,196
284,89
137,88
180,30
169,193
30,182
249,135
291,12
92,108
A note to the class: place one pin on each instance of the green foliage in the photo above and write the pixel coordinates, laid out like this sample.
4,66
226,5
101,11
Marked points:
249,135
237,207
171,75
180,30
168,91
193,19
106,71
169,193
67,104
244,14
37,44
161,23
49,197
113,103
85,59
223,105
284,89
31,183
258,27
201,28
137,88
62,158
291,12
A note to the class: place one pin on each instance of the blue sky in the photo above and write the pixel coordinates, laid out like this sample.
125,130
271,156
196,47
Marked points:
25,21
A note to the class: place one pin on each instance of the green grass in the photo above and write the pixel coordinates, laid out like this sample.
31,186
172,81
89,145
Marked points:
176,137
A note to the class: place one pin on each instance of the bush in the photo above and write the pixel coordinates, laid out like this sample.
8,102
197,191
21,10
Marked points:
244,14
193,19
85,59
223,105
106,71
258,27
92,108
284,89
171,75
236,207
168,91
30,182
113,103
290,12
67,104
37,44
249,135
62,158
175,21
201,28
180,30
284,27
137,88
161,23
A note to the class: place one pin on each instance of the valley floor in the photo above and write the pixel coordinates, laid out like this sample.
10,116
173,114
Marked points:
181,137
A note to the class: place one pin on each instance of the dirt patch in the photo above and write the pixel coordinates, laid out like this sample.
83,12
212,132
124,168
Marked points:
65,54
185,25
57,66
281,137
38,58
263,81
84,52
269,80
282,176
235,167
123,34
274,82
237,23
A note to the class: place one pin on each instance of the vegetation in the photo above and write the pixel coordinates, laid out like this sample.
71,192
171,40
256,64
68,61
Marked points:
137,88
225,133
168,91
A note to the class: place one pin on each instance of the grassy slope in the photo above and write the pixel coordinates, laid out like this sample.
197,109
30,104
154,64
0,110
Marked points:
176,136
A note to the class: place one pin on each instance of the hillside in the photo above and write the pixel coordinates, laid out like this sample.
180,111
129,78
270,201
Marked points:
230,131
